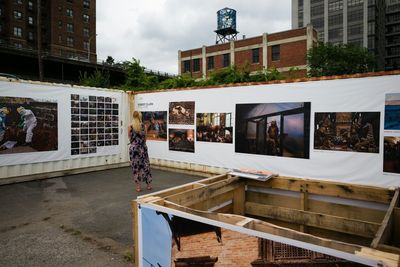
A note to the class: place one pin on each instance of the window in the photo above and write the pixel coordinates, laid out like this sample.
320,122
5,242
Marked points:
30,20
355,15
59,39
86,32
255,55
356,42
30,5
18,45
30,36
69,12
85,18
59,24
371,42
18,1
210,63
276,52
17,31
17,15
226,60
335,5
85,45
70,41
317,10
335,34
355,29
355,2
70,27
186,66
86,3
196,64
318,23
335,19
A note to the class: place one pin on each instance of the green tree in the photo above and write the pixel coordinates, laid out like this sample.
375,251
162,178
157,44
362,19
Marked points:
328,59
97,79
136,78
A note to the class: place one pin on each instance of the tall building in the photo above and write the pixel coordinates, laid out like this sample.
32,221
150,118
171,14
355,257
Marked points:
374,24
284,51
68,27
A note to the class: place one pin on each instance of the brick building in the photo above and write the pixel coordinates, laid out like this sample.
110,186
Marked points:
68,27
281,50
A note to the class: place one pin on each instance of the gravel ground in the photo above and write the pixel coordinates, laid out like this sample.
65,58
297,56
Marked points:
78,220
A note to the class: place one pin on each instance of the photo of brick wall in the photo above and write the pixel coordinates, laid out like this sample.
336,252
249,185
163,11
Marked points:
28,125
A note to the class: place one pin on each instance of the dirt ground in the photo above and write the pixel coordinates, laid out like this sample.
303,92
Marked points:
78,220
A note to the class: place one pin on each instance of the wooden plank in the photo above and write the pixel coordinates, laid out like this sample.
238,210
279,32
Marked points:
367,193
239,200
344,225
304,207
389,249
197,195
386,259
347,211
383,235
396,230
135,231
273,200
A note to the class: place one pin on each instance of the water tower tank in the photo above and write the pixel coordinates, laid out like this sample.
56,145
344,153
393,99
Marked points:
226,28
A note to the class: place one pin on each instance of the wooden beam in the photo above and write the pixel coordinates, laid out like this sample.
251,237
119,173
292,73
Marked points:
239,196
275,230
339,224
191,197
387,259
383,235
304,207
359,192
135,232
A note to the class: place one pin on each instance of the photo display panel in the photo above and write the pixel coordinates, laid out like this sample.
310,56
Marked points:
94,123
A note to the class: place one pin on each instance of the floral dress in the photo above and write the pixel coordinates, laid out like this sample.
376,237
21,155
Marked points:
139,157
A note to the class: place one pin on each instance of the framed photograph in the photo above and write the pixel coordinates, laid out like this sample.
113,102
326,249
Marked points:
181,112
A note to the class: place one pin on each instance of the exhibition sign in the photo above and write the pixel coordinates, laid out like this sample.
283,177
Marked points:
343,130
43,122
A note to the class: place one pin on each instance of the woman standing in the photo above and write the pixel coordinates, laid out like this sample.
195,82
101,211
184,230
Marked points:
138,152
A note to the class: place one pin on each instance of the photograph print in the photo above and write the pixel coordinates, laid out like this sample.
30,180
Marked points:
28,125
392,111
391,156
275,129
155,125
347,131
214,127
181,113
181,140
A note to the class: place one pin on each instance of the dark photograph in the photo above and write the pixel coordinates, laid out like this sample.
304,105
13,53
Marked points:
214,127
391,157
276,129
155,125
181,140
347,131
28,125
392,112
181,112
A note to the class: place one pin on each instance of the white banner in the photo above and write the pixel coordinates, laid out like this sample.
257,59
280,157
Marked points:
41,123
333,130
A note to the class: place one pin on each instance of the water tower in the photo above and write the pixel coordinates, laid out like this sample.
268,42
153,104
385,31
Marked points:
226,31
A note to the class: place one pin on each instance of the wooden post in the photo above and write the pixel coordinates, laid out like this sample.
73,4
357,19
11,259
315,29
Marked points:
135,233
239,197
303,204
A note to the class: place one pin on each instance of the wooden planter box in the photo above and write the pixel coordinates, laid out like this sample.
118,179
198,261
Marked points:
360,222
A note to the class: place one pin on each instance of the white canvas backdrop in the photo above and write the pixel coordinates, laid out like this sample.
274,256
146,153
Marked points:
347,95
61,94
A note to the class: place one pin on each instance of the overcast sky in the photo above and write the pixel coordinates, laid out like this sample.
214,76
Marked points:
154,30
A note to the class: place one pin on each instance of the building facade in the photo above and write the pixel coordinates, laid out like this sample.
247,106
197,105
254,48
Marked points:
374,24
67,27
282,50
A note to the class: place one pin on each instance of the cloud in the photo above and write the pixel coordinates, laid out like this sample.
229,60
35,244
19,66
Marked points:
154,30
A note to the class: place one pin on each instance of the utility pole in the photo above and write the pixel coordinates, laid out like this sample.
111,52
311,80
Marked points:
39,40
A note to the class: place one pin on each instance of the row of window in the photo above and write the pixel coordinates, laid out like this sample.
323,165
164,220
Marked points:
18,16
70,13
70,29
86,3
226,58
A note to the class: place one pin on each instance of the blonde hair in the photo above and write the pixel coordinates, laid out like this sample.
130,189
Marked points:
137,121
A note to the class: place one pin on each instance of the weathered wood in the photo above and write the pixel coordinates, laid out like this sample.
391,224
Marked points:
383,235
239,200
388,259
389,249
197,195
367,193
273,199
396,230
344,225
304,207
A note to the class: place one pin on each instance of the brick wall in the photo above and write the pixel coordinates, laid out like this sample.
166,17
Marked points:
236,249
291,54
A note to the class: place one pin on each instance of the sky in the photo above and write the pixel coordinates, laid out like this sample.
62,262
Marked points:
154,30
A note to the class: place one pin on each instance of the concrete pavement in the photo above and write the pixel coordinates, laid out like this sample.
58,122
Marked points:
77,220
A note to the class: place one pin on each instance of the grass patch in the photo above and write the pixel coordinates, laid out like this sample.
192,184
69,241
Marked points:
128,256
